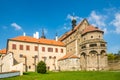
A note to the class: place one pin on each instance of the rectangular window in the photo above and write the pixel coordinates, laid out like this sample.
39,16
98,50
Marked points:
61,50
56,50
36,48
27,47
43,49
21,47
102,45
50,49
93,45
13,46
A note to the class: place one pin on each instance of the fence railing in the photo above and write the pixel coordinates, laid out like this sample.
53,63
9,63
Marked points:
9,74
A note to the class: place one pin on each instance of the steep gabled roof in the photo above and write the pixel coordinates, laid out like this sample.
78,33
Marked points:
3,51
90,28
72,31
69,55
39,41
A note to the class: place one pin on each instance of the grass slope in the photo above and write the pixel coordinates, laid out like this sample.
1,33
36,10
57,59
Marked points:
68,75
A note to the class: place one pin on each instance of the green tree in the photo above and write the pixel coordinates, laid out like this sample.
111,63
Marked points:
111,57
41,67
117,56
119,52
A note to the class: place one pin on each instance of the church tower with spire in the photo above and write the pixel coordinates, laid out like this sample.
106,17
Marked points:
43,35
73,23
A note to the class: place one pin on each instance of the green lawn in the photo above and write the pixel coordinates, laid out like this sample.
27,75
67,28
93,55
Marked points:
68,75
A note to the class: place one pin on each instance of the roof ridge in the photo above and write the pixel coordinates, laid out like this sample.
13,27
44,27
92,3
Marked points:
90,28
3,51
71,31
68,55
39,41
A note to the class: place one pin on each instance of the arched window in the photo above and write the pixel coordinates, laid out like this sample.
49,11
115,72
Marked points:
93,53
102,53
83,54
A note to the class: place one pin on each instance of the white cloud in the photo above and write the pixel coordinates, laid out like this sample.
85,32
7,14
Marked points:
71,17
116,23
105,30
16,26
97,19
66,27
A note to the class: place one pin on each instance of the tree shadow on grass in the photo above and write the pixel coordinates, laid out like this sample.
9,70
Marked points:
30,73
26,73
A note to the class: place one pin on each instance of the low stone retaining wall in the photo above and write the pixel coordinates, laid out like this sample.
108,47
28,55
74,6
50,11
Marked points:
9,74
114,65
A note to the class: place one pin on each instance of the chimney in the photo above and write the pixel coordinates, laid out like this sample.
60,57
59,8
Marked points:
24,34
37,35
56,37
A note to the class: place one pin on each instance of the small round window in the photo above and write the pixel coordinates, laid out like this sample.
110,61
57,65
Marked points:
91,36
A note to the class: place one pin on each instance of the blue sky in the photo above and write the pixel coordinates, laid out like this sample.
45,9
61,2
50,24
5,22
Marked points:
29,16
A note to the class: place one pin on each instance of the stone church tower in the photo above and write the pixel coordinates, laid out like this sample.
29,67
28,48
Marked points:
86,42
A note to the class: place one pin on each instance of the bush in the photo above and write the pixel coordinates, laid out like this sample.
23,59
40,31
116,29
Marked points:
41,67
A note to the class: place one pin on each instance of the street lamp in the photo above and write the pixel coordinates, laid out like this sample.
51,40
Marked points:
24,56
35,61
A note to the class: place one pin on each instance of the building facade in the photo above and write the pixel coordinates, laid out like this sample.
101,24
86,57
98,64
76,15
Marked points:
86,41
7,64
81,48
30,51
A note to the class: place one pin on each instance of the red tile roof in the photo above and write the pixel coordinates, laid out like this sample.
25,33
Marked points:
40,41
3,51
25,39
69,55
90,28
51,42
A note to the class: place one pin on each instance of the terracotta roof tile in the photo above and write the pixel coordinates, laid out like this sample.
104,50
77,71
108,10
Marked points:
91,29
69,55
40,41
3,51
25,39
51,42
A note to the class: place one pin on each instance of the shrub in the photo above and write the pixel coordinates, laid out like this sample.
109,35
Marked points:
41,67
